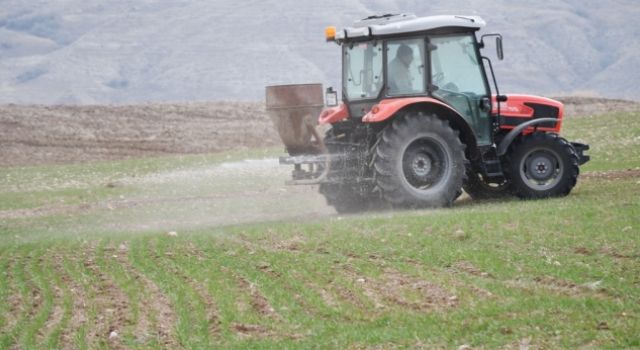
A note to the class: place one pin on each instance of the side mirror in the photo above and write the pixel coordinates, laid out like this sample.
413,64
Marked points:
499,50
331,97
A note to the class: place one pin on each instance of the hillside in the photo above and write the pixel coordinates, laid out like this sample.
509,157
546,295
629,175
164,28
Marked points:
126,51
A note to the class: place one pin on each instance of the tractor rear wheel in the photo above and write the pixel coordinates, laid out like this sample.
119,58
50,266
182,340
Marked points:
479,188
543,165
345,199
420,162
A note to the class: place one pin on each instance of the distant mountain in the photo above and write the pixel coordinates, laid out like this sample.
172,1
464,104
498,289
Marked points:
128,51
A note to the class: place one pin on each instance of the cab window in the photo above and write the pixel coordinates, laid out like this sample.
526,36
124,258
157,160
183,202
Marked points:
362,70
405,67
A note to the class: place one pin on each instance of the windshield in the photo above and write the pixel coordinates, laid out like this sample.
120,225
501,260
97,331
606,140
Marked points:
362,70
455,66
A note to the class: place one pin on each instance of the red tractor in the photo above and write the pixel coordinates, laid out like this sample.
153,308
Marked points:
421,119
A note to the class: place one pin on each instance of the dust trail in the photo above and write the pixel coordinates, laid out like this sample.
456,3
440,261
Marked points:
220,194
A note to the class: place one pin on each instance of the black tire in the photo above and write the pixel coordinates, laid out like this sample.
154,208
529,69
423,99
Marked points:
477,188
344,198
542,165
420,162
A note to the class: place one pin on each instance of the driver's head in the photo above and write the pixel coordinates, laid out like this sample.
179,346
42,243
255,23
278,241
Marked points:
405,54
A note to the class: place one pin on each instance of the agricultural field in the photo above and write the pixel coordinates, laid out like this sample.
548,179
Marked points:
210,251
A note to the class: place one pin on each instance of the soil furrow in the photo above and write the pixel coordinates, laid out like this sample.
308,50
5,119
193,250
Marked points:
78,308
259,302
213,317
58,295
112,309
14,298
155,305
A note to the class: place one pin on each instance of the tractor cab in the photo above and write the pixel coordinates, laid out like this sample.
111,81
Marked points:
402,56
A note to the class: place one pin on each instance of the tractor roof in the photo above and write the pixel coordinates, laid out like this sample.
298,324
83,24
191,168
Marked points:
405,23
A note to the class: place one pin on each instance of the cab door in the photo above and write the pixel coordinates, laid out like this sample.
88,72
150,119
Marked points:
457,78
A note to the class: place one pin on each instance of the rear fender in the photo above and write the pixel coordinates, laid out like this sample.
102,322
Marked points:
387,109
333,114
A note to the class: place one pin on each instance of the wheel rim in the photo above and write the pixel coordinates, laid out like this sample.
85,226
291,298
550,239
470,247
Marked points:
425,164
541,169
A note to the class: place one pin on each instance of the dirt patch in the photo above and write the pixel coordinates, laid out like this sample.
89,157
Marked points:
431,295
259,302
293,244
469,268
14,299
582,251
612,252
612,174
349,296
251,329
266,269
557,283
32,134
396,288
194,251
561,286
35,294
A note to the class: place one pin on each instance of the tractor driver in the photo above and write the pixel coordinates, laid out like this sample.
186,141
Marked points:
398,72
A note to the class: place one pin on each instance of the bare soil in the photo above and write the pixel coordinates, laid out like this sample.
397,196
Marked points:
36,134
575,106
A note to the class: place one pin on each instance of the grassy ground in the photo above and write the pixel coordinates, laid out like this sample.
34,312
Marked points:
560,273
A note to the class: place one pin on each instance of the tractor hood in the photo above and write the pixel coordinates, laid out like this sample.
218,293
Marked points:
524,105
518,109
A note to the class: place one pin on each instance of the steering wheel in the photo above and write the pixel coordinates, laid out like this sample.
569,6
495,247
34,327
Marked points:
437,78
451,87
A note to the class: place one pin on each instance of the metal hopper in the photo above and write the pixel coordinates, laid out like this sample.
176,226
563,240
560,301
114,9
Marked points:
294,110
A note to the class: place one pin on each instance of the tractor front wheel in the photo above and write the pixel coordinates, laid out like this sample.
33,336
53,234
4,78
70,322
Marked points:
420,162
543,165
